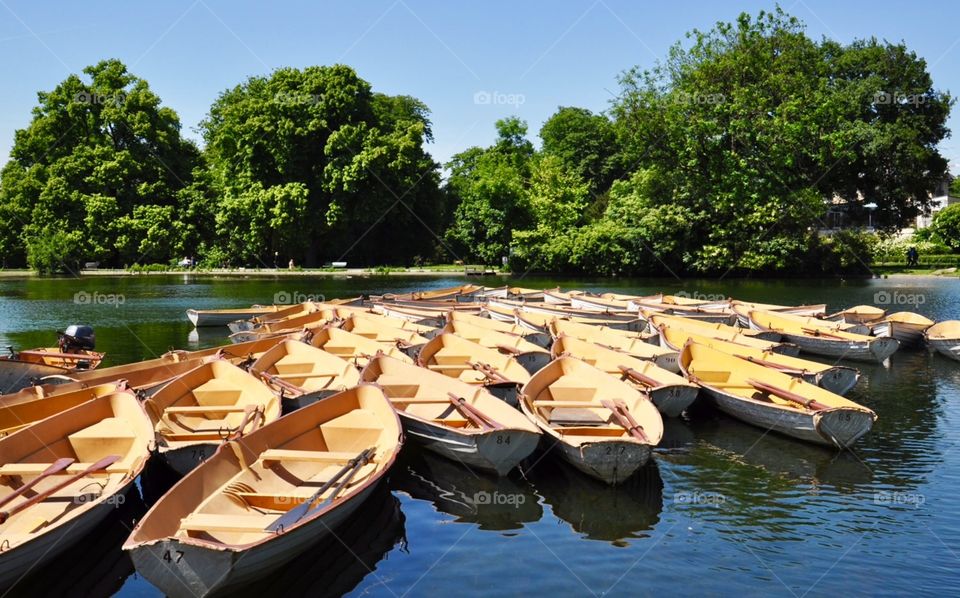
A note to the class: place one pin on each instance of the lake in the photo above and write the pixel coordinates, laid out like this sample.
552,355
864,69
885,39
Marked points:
725,509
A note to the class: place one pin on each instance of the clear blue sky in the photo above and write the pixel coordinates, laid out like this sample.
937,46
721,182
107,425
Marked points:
536,56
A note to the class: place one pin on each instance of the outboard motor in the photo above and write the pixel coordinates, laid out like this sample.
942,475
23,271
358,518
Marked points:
77,337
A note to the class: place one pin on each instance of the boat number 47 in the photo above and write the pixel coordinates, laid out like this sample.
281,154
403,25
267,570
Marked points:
171,558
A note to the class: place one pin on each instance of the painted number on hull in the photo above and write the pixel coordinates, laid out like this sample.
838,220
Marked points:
169,558
845,417
503,439
610,450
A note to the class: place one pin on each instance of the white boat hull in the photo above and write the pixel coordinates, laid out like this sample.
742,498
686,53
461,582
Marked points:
949,348
673,400
835,427
909,335
497,451
878,349
200,319
611,461
191,570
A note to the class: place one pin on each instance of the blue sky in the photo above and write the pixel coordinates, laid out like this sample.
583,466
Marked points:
471,62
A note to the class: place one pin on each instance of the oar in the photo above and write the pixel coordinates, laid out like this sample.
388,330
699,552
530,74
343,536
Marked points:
772,365
488,371
818,332
507,349
625,418
633,374
473,414
270,378
56,467
297,513
786,394
98,466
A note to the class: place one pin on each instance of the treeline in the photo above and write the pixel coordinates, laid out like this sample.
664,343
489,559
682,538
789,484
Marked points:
724,158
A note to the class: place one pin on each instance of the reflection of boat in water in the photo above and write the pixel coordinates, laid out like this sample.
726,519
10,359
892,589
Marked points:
779,456
493,503
95,566
339,562
600,511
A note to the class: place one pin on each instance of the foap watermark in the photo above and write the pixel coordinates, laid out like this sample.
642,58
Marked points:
496,497
886,98
291,297
698,296
87,97
686,98
98,298
894,298
116,500
292,98
907,499
497,98
713,499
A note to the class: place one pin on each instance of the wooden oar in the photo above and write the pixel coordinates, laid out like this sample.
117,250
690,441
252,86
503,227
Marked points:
63,356
297,513
642,378
508,350
287,386
56,467
786,394
625,418
98,466
480,419
818,332
488,371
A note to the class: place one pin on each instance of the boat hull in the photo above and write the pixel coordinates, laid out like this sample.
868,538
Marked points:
200,319
836,427
673,400
878,349
610,461
949,348
909,335
45,548
189,570
185,458
497,451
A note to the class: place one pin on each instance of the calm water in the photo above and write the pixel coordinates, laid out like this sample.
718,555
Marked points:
725,509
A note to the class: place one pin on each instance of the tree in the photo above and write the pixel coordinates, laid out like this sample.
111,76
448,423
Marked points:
586,143
310,162
96,156
946,226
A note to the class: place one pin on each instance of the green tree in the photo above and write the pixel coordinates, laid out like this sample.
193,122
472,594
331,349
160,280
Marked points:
946,226
96,155
313,164
586,143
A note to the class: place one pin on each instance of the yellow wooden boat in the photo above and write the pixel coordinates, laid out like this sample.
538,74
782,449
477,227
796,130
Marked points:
944,338
858,314
671,393
742,308
808,322
314,319
907,327
740,336
386,330
775,401
20,414
470,362
630,343
530,356
835,378
64,475
541,339
460,421
222,317
302,374
353,347
829,343
193,413
259,502
457,293
601,425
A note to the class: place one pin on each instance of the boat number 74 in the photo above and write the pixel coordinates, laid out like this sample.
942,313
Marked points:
168,558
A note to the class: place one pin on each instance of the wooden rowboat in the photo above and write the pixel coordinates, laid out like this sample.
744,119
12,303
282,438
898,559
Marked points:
458,293
944,338
530,356
194,413
622,319
837,343
808,322
907,327
671,393
775,401
64,475
540,322
470,362
743,308
353,347
223,317
259,502
291,311
21,414
460,421
526,294
540,339
619,340
740,336
24,368
315,319
837,379
386,330
302,374
601,425
858,314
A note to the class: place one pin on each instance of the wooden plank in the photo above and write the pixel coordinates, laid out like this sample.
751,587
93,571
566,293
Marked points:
306,456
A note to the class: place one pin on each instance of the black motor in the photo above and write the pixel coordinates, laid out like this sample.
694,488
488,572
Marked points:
77,336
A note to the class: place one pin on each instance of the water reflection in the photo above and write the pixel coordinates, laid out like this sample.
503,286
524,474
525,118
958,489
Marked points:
600,511
493,503
95,566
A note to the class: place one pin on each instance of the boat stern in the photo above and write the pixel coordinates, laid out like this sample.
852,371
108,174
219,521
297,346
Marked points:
843,427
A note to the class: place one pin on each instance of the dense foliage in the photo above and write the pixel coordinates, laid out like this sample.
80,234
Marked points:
722,159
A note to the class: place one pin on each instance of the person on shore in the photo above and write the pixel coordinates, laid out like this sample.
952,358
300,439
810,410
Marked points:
913,257
290,266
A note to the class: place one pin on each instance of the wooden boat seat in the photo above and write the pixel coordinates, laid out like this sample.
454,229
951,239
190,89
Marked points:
35,469
214,522
568,404
216,392
597,431
204,409
711,376
567,389
334,457
575,416
109,436
359,427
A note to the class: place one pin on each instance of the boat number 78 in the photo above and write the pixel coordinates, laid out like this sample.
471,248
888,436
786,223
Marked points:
168,558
